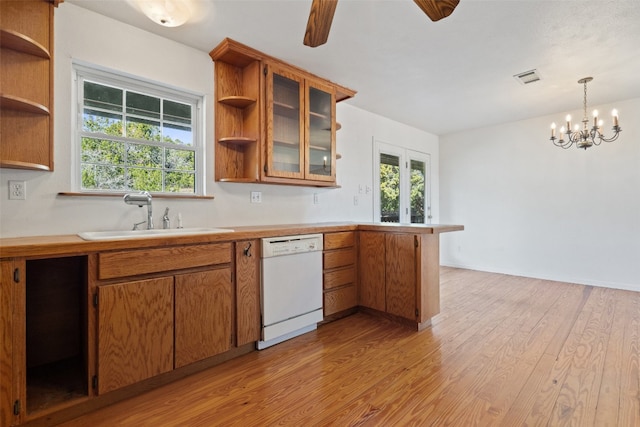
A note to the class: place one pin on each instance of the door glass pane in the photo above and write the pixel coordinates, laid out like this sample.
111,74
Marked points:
319,132
389,188
417,191
286,124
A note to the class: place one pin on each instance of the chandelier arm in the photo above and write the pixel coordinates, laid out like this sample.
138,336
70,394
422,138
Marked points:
561,143
613,138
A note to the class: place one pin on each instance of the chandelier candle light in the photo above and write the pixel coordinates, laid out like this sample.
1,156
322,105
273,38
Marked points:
586,137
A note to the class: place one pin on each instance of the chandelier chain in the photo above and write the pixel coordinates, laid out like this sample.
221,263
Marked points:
585,101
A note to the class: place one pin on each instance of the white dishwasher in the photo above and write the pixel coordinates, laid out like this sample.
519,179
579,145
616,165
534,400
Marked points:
291,287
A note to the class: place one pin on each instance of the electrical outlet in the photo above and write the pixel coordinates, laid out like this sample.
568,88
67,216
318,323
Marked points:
256,197
315,198
17,190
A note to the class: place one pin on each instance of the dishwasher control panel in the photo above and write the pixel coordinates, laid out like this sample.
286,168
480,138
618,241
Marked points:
288,245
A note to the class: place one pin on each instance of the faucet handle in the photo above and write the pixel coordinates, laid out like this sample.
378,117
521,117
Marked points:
137,224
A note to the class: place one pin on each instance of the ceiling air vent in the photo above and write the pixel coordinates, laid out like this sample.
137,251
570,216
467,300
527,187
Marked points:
527,77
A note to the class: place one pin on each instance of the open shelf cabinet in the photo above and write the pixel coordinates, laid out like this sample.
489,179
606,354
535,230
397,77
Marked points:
26,79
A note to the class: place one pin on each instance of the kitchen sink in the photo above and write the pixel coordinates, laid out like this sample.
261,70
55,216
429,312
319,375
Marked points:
137,234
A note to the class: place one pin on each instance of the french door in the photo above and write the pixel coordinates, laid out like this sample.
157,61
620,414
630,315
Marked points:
402,182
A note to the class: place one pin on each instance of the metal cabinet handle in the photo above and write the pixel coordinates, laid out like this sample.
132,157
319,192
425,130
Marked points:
247,250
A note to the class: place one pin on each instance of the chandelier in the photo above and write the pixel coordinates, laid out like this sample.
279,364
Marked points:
585,137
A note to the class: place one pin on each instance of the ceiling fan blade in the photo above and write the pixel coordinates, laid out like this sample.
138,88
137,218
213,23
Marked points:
437,9
319,23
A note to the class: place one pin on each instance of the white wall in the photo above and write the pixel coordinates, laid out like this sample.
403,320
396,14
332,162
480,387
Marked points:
532,209
80,35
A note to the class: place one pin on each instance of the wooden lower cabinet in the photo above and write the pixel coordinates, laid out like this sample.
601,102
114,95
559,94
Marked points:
399,274
247,263
135,331
202,315
12,339
340,272
372,256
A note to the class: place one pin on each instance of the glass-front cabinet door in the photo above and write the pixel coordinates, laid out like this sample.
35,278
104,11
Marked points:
320,141
285,124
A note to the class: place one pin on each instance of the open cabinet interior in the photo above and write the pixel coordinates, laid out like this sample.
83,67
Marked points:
56,334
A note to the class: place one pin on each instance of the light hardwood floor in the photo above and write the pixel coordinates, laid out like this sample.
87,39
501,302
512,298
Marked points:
504,351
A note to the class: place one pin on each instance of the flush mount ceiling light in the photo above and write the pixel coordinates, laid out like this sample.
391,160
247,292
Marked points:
169,13
585,137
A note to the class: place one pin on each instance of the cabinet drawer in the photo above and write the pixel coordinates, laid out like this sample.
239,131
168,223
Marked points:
335,278
339,299
339,258
144,261
343,239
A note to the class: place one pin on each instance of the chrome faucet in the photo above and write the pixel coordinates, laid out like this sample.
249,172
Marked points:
166,222
141,199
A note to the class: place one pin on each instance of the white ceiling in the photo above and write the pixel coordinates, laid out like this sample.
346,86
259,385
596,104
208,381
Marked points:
441,77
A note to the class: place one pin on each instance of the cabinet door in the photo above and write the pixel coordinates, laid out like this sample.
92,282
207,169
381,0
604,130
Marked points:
285,119
372,270
247,291
320,141
12,340
400,275
135,332
203,315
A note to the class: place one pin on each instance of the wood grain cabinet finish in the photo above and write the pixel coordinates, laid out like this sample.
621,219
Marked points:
264,135
154,260
340,272
399,274
12,340
26,78
247,263
202,315
372,258
135,332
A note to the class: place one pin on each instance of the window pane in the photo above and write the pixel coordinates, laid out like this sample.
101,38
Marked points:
177,134
180,159
143,129
100,177
102,121
144,155
145,179
176,112
180,182
102,151
417,195
143,105
389,188
102,97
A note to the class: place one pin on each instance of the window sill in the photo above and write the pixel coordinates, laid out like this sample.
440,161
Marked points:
155,196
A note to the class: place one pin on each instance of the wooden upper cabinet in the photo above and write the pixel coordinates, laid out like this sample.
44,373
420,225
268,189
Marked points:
26,79
275,123
285,124
320,131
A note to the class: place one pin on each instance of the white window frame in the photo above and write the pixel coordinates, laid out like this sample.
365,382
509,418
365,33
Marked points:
405,156
82,71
